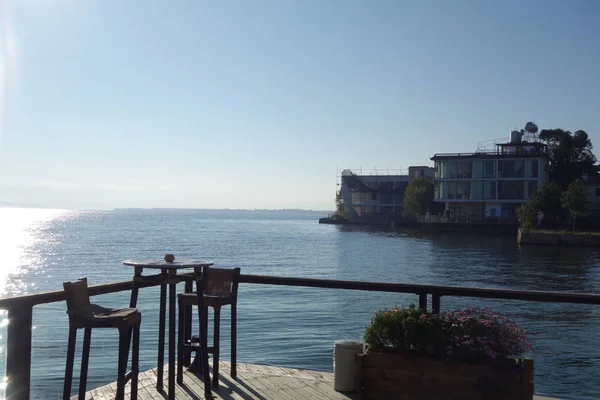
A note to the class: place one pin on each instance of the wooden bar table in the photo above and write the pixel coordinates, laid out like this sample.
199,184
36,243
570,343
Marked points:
167,276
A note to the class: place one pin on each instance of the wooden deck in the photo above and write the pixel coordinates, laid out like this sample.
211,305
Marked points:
253,382
260,382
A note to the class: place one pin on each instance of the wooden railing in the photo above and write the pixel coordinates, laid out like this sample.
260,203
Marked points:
20,310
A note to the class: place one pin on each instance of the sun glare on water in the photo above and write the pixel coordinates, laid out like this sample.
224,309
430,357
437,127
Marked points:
18,227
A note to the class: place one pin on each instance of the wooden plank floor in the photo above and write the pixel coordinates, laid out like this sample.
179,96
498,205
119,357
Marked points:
260,382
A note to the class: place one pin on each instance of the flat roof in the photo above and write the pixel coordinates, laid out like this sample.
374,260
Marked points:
466,156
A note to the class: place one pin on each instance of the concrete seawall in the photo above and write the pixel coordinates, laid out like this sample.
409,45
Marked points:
558,238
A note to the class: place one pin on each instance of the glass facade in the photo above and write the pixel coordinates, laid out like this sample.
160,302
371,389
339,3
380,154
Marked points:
486,169
473,190
486,179
511,190
518,169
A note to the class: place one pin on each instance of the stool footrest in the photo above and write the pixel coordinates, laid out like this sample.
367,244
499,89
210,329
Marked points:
196,345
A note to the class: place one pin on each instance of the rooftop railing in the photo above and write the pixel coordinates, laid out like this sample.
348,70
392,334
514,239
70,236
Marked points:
532,153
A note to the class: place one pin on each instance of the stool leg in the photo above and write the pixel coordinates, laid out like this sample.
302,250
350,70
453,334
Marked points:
180,341
206,330
187,330
122,364
202,311
171,366
203,328
234,341
216,340
161,337
70,361
135,364
85,358
188,325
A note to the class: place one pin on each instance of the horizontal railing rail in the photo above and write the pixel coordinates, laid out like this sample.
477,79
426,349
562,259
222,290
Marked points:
20,310
434,290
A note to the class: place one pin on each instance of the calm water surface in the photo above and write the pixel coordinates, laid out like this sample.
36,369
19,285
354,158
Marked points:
292,326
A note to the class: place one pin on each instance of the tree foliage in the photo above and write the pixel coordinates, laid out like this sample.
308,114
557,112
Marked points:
570,155
527,214
575,200
339,205
545,199
418,197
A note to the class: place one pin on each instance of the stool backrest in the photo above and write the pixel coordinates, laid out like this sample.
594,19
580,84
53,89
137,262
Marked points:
220,281
77,295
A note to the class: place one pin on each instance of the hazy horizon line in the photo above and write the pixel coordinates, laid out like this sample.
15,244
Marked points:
37,206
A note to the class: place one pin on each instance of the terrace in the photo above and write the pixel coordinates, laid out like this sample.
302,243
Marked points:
254,381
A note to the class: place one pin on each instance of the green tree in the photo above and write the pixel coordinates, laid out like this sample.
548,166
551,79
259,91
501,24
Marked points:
570,155
526,214
575,200
418,197
545,199
339,205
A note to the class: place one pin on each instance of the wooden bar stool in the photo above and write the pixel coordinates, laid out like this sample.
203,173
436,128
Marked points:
220,288
86,316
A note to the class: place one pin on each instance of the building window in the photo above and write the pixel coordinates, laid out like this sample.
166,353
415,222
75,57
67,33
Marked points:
441,168
531,168
455,170
464,170
511,168
489,190
476,190
459,190
511,190
530,187
477,169
490,170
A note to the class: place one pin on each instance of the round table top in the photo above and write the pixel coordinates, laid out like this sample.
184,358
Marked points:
159,263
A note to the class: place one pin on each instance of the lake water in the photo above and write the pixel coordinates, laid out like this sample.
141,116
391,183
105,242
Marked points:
292,326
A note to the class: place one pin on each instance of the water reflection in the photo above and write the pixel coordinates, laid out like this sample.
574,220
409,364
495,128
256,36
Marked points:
300,323
17,238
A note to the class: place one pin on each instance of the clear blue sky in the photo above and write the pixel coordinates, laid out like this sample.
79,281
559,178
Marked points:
255,104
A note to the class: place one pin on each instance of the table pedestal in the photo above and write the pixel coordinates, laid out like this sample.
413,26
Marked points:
167,277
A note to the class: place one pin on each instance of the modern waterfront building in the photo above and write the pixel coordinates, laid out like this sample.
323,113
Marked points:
376,197
490,185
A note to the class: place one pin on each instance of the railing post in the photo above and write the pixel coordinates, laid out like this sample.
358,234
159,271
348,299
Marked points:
18,352
435,302
423,301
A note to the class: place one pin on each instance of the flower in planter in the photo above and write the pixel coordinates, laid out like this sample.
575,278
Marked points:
482,333
409,331
472,334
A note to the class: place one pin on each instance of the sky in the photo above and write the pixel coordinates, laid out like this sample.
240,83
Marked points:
261,104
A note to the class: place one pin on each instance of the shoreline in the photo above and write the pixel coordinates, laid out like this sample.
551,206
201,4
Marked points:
560,238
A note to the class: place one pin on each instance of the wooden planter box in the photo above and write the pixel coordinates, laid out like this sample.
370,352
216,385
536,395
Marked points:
392,376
